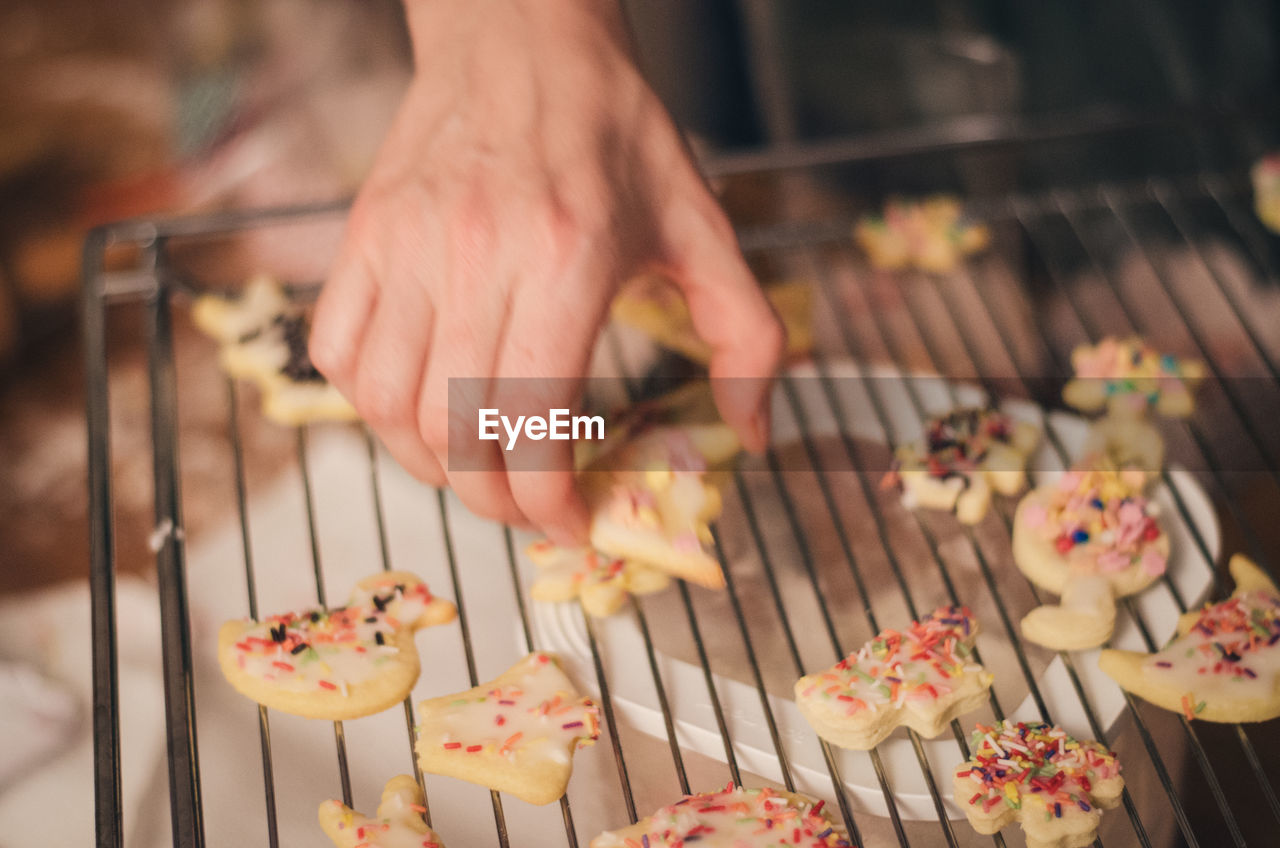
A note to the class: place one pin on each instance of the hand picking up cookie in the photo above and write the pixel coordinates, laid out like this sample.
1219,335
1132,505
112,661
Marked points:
1266,190
397,824
1224,664
650,490
732,818
963,456
516,733
600,582
1038,775
336,664
922,678
654,305
1128,377
1091,537
264,339
929,234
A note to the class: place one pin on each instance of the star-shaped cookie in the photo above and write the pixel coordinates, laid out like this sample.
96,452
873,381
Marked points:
600,582
397,824
1224,664
963,456
922,677
516,733
1038,775
339,663
734,817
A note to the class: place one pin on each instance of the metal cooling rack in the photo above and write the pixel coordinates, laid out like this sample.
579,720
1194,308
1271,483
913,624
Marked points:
1224,794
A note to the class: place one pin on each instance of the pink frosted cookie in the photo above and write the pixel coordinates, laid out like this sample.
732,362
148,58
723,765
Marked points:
929,234
1091,537
1266,190
397,824
731,818
1225,663
922,678
1031,772
340,663
964,455
516,733
600,582
1128,377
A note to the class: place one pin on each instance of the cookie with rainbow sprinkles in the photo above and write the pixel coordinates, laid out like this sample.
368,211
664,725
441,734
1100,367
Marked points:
1224,664
921,677
1265,175
602,583
734,817
515,733
1036,774
930,234
1129,377
398,823
1090,537
341,663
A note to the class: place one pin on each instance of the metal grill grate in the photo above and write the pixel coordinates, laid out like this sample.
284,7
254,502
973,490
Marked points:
956,326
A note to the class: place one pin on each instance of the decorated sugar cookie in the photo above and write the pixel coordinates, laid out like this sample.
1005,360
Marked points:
339,663
922,677
654,305
263,337
929,234
650,488
600,582
1266,190
964,455
1092,536
1224,664
732,818
397,824
1121,442
1031,772
1128,377
516,733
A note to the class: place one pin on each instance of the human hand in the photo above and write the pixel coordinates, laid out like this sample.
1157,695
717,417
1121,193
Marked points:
529,173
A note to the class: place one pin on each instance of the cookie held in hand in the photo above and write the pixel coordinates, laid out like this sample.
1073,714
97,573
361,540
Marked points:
963,456
732,818
397,824
602,583
1038,775
922,677
516,733
340,663
1223,666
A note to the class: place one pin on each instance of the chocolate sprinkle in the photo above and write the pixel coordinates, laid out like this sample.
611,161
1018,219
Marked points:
298,367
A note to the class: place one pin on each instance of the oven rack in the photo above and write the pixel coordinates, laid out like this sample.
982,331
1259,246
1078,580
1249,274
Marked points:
1059,232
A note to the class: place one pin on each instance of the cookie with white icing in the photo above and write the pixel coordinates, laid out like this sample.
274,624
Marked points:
930,234
515,733
1091,536
263,337
654,305
922,678
398,822
1265,176
962,458
1129,377
339,663
602,583
1036,774
651,490
734,817
1122,442
1224,664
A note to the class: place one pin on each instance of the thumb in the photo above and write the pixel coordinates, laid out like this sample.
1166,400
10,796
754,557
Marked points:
734,318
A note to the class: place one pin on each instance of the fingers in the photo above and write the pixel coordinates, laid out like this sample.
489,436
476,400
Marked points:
544,358
731,313
389,375
342,314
